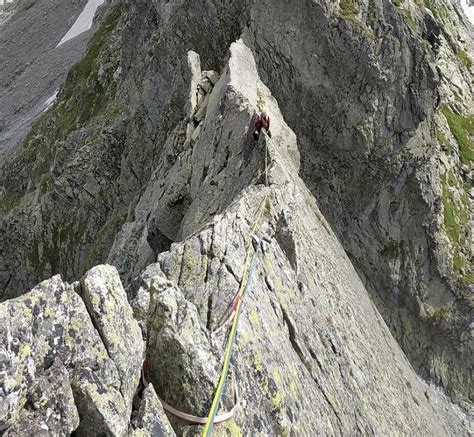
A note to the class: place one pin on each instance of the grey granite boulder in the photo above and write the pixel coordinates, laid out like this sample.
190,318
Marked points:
65,369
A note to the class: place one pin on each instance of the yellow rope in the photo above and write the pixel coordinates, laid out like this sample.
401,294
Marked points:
243,284
230,341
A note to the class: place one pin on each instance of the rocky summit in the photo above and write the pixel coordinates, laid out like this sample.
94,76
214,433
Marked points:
159,262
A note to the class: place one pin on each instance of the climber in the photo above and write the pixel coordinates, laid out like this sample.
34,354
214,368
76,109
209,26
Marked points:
262,120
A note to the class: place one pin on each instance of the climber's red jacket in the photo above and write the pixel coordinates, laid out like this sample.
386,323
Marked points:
262,120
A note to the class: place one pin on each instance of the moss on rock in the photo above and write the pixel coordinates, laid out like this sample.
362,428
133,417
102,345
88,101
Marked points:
456,217
462,128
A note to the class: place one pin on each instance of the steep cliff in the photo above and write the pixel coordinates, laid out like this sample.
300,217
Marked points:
387,149
147,162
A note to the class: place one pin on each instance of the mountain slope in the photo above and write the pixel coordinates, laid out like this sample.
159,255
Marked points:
33,68
380,158
313,355
147,162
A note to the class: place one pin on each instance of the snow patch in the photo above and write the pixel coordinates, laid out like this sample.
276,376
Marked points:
83,22
49,101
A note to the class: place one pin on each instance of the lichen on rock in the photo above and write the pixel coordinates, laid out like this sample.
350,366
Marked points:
142,184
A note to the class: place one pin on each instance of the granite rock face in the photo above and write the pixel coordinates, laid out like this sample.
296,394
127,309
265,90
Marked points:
384,171
52,408
151,419
70,363
361,290
305,299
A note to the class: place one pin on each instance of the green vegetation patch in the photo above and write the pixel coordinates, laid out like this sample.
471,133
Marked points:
441,313
441,137
439,11
456,217
408,17
371,13
8,201
406,13
84,96
462,129
464,58
349,8
468,279
46,182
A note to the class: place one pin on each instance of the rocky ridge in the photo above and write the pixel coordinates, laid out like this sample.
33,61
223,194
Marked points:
173,213
333,367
